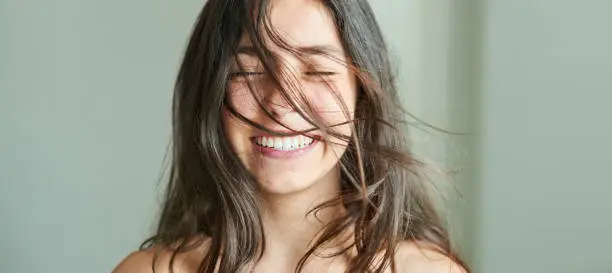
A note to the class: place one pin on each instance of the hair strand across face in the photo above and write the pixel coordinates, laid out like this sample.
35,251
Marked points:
211,194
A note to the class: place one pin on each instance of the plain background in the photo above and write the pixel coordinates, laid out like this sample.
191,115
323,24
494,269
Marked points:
85,89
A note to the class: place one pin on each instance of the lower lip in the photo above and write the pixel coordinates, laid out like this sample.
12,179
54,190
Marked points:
272,153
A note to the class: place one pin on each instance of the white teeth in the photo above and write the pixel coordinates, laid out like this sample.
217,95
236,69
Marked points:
294,143
284,143
306,141
278,143
300,141
287,144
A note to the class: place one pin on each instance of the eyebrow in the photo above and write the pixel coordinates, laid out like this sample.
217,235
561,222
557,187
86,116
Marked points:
328,50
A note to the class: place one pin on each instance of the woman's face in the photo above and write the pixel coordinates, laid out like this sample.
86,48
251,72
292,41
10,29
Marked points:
291,164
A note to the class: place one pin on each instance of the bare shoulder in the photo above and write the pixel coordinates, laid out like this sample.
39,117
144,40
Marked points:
157,260
137,262
419,257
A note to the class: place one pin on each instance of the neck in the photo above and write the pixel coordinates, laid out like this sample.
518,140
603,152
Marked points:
288,225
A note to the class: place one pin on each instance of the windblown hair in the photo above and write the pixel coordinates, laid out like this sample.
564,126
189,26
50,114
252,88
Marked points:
211,194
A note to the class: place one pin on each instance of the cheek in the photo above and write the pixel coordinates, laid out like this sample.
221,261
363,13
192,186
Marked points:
242,99
236,133
228,126
332,103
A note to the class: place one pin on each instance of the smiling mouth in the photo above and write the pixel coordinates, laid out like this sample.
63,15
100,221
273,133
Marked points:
290,143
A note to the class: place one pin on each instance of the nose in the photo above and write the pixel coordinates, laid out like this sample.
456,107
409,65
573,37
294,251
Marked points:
277,105
276,100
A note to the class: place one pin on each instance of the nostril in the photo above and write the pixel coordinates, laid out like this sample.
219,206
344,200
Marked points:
278,110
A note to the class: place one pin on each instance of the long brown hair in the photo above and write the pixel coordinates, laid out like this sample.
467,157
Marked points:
211,194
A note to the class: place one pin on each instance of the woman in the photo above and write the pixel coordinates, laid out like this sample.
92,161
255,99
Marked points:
288,150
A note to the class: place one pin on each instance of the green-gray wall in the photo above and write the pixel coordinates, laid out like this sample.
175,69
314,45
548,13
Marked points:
85,88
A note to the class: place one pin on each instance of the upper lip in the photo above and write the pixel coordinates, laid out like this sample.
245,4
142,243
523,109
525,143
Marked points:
293,135
283,133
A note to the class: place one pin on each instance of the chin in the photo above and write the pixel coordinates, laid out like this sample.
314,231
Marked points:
284,185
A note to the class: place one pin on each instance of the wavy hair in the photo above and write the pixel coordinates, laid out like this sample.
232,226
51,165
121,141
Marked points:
211,194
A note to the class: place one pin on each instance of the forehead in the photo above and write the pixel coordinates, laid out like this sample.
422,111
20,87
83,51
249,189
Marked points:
303,23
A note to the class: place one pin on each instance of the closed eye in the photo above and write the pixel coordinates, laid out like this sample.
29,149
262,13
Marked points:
320,73
246,74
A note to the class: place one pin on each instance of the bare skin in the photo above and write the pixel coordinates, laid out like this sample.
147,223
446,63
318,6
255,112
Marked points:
289,192
411,258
